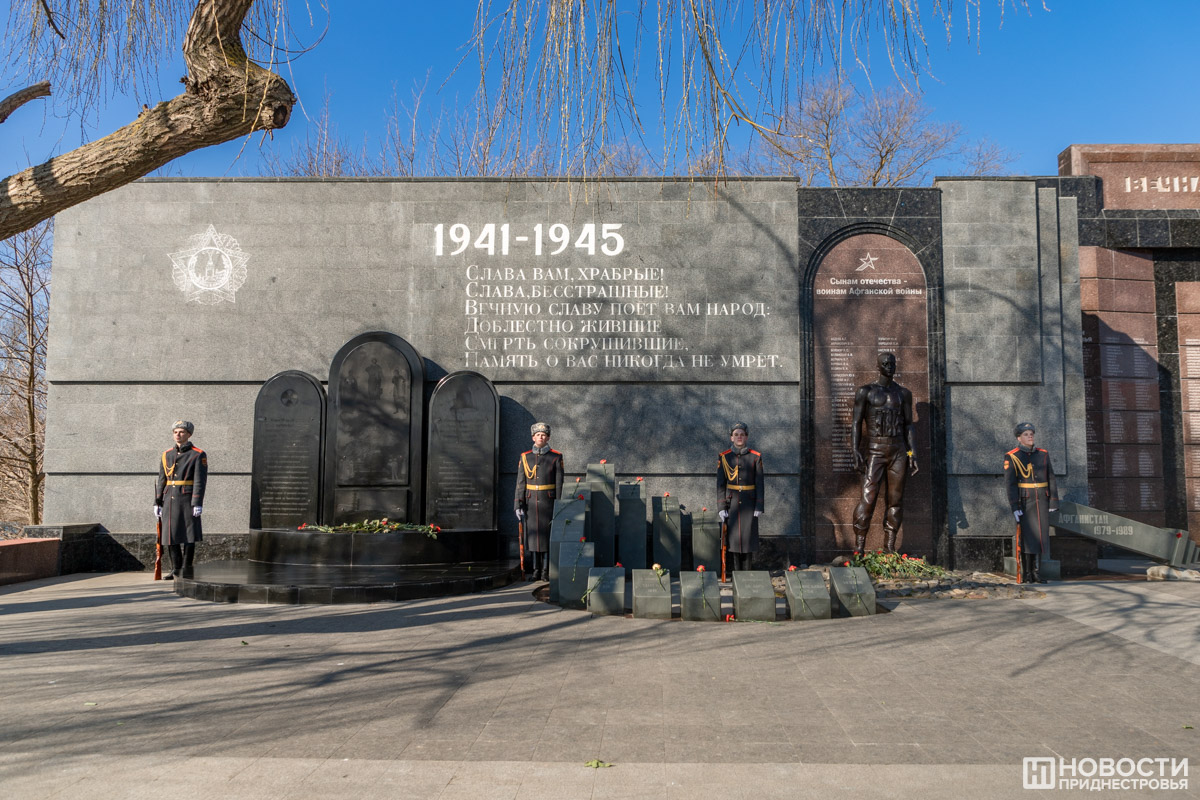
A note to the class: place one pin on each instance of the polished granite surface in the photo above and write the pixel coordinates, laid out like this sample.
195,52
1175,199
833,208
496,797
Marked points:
266,582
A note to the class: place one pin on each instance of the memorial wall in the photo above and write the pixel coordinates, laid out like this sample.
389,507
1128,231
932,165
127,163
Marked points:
640,318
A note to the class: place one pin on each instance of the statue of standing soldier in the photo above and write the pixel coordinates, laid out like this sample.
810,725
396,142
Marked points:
884,408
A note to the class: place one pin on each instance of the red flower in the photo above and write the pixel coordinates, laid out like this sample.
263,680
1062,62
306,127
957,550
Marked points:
666,494
437,528
577,480
639,477
704,509
618,563
700,568
583,538
1178,534
604,461
729,617
580,497
303,525
792,568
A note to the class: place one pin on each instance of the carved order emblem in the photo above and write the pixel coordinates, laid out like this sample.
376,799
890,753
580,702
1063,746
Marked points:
211,268
866,262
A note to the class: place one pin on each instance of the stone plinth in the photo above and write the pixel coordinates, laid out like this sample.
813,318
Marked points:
651,594
601,481
575,561
753,596
851,593
706,540
28,559
807,595
668,533
631,524
567,526
606,590
700,597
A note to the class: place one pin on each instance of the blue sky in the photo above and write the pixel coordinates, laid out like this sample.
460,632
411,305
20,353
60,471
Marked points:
1085,71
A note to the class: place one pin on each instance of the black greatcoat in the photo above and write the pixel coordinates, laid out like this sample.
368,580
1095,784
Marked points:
182,475
1032,491
740,487
539,484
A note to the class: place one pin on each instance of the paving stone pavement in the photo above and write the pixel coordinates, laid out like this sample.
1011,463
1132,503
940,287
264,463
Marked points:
115,687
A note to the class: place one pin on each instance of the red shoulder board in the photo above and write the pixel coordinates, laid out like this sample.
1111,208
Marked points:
1040,450
1010,452
527,452
727,452
552,450
169,449
198,450
756,452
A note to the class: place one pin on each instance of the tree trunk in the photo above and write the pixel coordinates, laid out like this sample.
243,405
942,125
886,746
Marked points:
226,96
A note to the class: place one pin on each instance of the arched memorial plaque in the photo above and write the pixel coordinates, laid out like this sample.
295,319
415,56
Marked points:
285,472
869,296
463,460
373,456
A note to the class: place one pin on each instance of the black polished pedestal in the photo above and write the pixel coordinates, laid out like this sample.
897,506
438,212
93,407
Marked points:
314,567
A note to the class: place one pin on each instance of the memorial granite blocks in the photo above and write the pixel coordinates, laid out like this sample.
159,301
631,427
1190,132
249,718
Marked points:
374,458
807,595
289,432
851,593
567,526
462,465
606,590
601,480
631,525
753,596
668,533
700,597
651,594
575,560
706,540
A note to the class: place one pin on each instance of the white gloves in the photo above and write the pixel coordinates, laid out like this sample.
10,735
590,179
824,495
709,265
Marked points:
196,510
158,511
724,515
1018,515
520,514
758,513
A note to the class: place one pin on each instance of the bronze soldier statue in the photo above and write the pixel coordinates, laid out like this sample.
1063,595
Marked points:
179,497
539,484
740,488
1032,495
884,407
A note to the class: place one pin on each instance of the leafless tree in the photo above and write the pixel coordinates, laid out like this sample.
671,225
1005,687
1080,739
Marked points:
985,157
323,153
24,306
836,136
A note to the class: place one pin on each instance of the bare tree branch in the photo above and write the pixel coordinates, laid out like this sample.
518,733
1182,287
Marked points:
50,19
17,99
226,96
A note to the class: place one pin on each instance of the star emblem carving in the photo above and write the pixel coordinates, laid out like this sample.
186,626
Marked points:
866,262
210,269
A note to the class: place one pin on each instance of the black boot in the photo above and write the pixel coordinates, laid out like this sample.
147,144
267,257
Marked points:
1035,569
189,556
176,552
1027,570
889,542
860,542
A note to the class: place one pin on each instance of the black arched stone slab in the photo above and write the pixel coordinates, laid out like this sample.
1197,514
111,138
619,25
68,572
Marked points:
373,454
289,435
462,464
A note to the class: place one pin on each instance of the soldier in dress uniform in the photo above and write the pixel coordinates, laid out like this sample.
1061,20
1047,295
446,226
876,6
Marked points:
884,407
539,484
179,497
1032,495
740,488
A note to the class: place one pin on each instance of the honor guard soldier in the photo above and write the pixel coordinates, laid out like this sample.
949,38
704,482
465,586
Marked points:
539,484
1032,495
884,408
740,488
179,497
